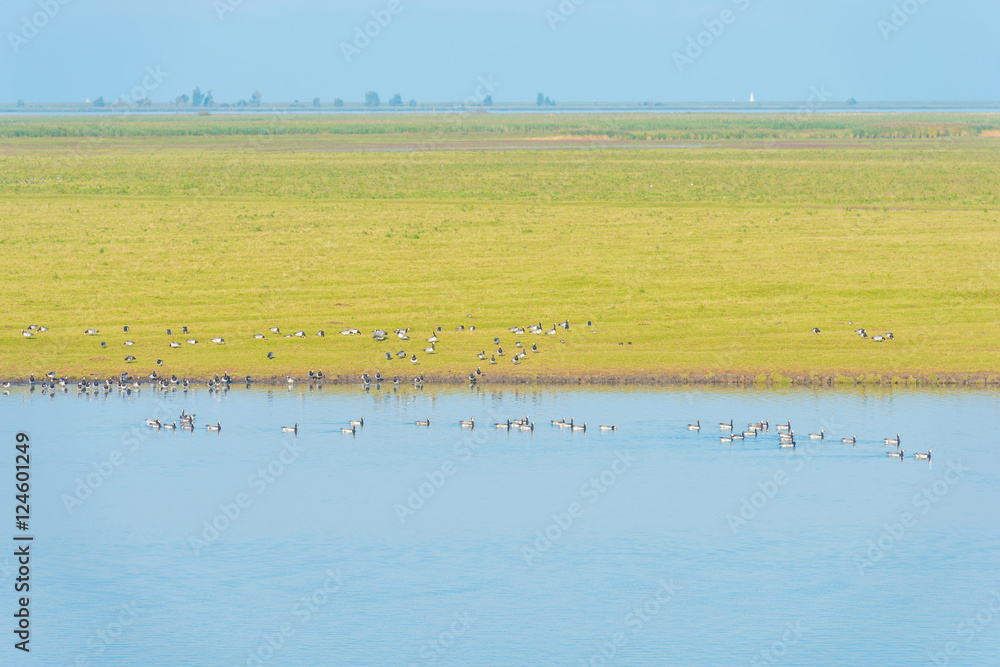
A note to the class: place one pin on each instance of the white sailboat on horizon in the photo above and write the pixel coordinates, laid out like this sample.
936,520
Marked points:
751,96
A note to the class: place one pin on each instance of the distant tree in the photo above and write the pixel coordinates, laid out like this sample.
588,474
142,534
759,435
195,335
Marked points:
549,102
851,101
540,100
241,103
197,97
396,100
181,100
413,103
99,102
488,101
316,102
209,100
371,99
255,99
145,102
20,103
337,102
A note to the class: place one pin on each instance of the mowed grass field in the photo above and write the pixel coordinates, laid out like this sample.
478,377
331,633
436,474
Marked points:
715,259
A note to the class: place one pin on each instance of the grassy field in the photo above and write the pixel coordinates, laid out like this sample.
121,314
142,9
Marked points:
703,260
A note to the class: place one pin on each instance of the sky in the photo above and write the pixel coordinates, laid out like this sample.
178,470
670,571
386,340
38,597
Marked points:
448,51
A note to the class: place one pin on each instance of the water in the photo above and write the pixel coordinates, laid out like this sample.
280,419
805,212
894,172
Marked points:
545,547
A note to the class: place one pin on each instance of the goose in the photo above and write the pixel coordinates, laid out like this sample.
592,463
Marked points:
695,426
817,436
921,455
270,355
534,347
184,329
189,426
853,440
125,328
725,438
609,428
499,351
91,332
388,357
504,425
290,379
815,330
169,332
299,334
413,359
128,343
214,427
351,430
859,331
528,427
321,333
482,355
787,443
424,422
893,441
564,324
103,344
219,340
51,375
129,359
401,354
786,437
787,427
518,344
429,350
901,453
275,330
153,422
192,341
173,343
42,329
493,359
379,334
878,339
578,427
432,338
552,331
471,423
726,427
357,422
752,432
889,335
159,362
290,429
737,436
170,425
566,424
27,334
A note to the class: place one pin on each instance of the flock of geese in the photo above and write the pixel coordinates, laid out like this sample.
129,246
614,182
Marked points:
186,422
786,436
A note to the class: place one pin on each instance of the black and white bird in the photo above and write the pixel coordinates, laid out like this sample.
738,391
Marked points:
695,426
290,429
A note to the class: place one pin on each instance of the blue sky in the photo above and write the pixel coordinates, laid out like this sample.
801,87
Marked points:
437,50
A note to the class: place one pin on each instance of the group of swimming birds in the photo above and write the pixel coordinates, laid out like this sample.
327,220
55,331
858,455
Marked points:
786,436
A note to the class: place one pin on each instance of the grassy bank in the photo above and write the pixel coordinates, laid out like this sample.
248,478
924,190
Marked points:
691,263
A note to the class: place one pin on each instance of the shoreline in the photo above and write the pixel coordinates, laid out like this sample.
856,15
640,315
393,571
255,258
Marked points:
694,378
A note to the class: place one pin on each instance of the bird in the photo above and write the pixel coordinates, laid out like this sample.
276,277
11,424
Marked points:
173,343
27,334
889,335
218,340
184,329
153,422
534,347
169,332
578,427
275,330
893,441
270,355
90,332
493,359
413,359
787,427
388,357
725,438
504,425
290,429
129,358
737,436
192,341
723,426
787,443
125,328
817,436
850,441
357,422
471,423
424,422
695,427
351,430
214,427
815,330
300,334
901,453
878,339
159,362
432,338
609,428
401,354
921,455
170,425
429,350
128,343
321,334
482,355
258,336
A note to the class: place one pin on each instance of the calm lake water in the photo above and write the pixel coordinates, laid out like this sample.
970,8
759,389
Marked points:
407,545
